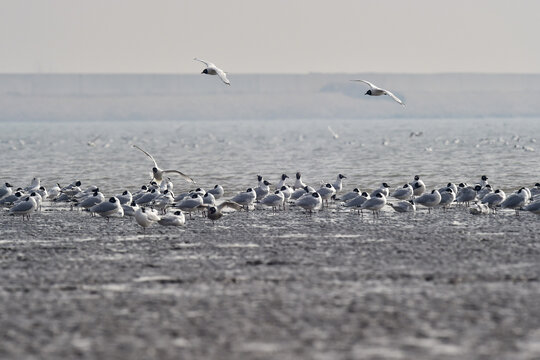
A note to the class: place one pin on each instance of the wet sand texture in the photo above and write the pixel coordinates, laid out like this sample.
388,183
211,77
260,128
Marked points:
260,285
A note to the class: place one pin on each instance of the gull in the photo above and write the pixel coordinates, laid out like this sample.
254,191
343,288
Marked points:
429,200
274,200
298,193
212,69
357,201
109,208
72,189
493,199
515,200
449,186
403,206
287,192
148,197
535,190
418,186
374,204
125,198
217,191
43,192
190,203
483,180
162,201
350,195
10,199
245,198
310,202
145,217
166,184
281,181
209,199
298,184
129,210
334,134
383,189
54,192
158,173
175,219
377,91
36,183
96,198
448,196
6,190
326,192
214,212
263,189
24,207
338,184
533,207
479,209
403,193
467,194
484,191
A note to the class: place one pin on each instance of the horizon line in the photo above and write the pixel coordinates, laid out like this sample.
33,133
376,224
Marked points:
269,74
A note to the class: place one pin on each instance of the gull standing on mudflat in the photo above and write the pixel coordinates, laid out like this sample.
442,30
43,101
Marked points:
24,207
310,202
429,200
493,199
357,201
375,204
377,91
158,173
245,198
212,69
109,208
274,200
338,184
448,196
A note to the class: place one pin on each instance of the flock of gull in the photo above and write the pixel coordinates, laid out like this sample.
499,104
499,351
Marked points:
156,201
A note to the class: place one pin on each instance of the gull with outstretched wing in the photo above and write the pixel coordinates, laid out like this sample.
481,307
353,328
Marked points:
158,173
377,91
212,69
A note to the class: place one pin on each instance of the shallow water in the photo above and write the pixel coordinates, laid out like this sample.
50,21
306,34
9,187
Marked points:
233,153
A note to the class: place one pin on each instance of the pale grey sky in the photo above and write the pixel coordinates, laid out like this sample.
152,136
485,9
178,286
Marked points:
278,36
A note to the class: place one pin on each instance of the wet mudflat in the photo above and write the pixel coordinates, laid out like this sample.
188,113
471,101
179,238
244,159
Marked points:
260,285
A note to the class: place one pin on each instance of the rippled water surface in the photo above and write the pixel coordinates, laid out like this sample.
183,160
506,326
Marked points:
232,153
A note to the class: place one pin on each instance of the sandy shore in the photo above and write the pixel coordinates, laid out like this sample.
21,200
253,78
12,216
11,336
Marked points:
260,285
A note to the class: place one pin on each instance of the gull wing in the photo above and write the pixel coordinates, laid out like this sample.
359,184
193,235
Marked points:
187,178
334,134
367,82
230,204
147,154
208,64
223,76
152,216
394,97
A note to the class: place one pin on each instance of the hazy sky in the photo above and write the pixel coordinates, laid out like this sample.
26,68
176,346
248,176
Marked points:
277,36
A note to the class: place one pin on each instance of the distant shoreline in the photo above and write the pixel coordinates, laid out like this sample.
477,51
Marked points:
91,97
